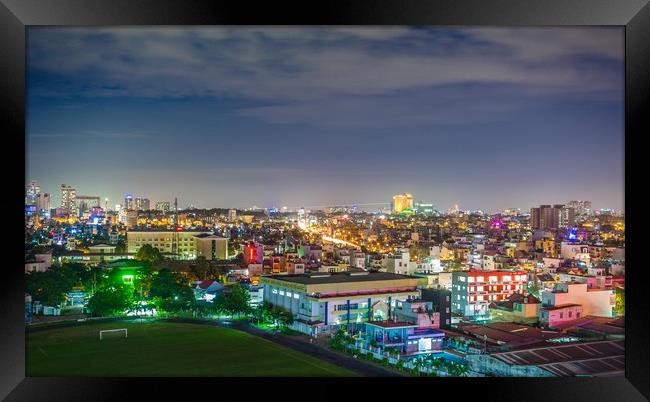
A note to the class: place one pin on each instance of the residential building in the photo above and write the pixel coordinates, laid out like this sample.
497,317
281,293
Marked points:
43,203
597,302
473,291
31,192
440,302
68,199
517,308
129,202
142,204
417,311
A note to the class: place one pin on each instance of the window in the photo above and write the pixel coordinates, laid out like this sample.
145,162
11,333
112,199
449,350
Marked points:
570,313
447,309
296,296
561,315
461,278
288,294
282,293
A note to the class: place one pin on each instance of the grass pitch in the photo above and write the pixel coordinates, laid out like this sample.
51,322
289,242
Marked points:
165,349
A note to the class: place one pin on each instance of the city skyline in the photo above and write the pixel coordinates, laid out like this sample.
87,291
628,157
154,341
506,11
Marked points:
486,118
368,207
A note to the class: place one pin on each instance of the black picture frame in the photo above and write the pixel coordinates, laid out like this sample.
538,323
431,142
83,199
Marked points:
16,15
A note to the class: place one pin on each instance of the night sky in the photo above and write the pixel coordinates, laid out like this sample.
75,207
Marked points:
486,118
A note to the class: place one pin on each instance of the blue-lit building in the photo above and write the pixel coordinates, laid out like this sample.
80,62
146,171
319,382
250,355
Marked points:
406,337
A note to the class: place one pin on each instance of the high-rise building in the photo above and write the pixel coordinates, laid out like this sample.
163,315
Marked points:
86,203
582,208
129,203
232,214
550,217
424,209
142,204
43,203
163,206
31,191
402,202
567,217
68,199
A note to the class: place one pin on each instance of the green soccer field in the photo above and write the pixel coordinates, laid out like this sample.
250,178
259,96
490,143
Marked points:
165,349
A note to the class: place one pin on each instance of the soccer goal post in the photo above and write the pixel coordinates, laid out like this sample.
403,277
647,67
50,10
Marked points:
111,331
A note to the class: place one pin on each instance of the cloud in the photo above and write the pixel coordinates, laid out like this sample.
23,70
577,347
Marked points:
296,71
93,134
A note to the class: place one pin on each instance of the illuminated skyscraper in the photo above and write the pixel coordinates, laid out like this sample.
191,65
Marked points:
551,217
31,191
68,199
43,203
128,202
582,208
402,202
142,204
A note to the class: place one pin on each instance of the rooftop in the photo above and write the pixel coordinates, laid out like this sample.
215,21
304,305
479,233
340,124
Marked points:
392,324
587,358
560,306
322,278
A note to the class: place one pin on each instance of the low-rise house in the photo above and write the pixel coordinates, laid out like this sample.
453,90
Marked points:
417,311
517,308
405,337
598,302
207,290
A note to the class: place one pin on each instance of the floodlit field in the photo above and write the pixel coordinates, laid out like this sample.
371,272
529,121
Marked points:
165,349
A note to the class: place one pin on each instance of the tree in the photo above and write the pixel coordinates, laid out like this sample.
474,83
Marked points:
237,301
148,253
120,247
418,252
47,287
201,268
619,307
533,288
110,300
171,292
